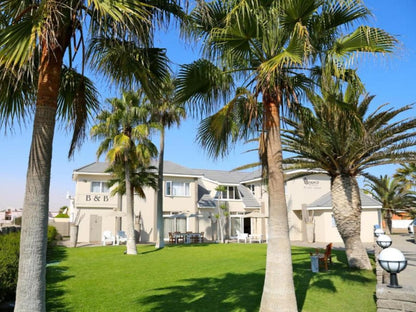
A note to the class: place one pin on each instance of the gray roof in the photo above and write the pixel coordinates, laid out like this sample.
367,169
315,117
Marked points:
95,167
225,177
175,169
248,199
206,201
325,201
169,168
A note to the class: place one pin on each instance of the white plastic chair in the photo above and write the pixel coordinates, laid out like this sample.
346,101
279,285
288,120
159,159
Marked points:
108,237
242,236
255,238
121,237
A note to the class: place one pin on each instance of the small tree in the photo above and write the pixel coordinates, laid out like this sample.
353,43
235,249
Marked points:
222,212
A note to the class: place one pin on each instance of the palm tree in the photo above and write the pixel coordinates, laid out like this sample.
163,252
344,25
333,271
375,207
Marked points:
344,139
393,195
406,174
35,37
142,176
265,44
124,136
165,112
221,211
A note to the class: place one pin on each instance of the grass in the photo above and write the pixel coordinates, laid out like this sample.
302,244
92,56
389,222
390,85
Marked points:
207,277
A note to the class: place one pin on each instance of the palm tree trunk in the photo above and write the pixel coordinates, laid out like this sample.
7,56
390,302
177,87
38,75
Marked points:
347,213
131,240
31,284
160,243
279,289
388,219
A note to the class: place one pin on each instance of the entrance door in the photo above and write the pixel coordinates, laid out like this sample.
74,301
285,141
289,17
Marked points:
247,225
95,228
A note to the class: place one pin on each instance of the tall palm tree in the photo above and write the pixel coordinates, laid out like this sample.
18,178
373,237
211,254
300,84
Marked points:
406,174
124,136
393,195
341,136
35,37
165,112
142,176
265,44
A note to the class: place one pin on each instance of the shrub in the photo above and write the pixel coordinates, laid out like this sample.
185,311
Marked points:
62,215
52,233
9,260
18,221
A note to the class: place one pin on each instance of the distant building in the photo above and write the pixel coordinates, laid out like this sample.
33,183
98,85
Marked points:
8,216
190,203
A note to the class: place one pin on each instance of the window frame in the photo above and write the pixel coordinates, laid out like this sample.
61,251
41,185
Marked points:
170,188
104,189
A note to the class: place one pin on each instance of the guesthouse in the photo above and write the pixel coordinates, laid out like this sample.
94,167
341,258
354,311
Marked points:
191,203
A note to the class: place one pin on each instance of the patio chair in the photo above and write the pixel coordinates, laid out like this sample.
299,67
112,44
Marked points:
108,237
242,236
121,237
324,258
255,238
180,237
172,239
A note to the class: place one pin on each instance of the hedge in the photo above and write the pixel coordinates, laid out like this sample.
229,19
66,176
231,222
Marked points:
9,259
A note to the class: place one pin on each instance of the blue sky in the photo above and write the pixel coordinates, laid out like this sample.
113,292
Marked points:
390,78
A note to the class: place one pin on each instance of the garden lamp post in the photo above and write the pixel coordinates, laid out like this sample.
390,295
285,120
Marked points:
393,261
384,241
378,232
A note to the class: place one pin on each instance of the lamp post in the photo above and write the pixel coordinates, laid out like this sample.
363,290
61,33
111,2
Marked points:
393,261
384,241
378,232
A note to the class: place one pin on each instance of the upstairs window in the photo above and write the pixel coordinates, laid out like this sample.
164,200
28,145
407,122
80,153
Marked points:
177,189
230,193
99,187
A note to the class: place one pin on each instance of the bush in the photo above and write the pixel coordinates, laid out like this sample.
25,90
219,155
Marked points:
52,233
62,215
9,260
18,221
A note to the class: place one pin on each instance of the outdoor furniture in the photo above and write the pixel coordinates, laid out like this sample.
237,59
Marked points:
201,237
121,237
108,237
324,258
179,237
172,239
242,236
193,237
255,238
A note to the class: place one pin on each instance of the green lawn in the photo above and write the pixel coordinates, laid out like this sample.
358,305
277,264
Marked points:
208,277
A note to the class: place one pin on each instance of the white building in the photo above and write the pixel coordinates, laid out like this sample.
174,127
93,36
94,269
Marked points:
190,203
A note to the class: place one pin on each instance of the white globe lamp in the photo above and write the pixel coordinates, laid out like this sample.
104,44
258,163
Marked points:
393,261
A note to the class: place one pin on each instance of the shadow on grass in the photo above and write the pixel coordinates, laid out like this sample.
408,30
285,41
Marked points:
233,292
54,276
305,279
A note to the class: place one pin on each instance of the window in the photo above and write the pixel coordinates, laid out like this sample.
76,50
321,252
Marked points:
99,187
231,192
252,188
177,188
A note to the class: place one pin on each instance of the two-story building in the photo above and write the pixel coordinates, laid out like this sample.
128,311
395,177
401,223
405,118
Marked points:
191,203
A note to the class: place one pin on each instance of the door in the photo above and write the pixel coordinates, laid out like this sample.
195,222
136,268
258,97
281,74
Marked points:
247,225
95,228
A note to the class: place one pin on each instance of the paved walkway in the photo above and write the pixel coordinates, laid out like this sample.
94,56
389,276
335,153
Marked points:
406,244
